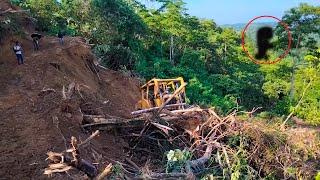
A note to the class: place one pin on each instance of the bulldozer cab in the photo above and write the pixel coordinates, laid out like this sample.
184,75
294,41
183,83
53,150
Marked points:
155,92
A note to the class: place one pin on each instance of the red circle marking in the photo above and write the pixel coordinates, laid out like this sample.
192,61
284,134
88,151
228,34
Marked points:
281,56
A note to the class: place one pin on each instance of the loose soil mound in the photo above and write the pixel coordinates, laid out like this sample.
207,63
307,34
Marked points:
34,121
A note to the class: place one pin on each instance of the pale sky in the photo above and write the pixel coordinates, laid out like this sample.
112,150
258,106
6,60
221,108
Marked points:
238,11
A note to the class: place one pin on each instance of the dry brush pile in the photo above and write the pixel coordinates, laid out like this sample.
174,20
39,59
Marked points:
197,143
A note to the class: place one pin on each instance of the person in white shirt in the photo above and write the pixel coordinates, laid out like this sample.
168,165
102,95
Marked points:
18,51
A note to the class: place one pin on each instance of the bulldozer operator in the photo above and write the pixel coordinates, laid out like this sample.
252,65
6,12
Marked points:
167,94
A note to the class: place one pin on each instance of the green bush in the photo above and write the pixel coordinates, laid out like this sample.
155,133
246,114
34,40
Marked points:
176,160
10,25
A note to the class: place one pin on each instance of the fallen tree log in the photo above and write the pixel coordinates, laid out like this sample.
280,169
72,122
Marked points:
197,165
46,91
105,172
188,110
13,11
109,124
187,119
87,119
63,162
156,108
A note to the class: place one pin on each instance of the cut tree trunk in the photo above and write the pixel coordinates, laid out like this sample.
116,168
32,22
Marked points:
109,124
156,108
66,161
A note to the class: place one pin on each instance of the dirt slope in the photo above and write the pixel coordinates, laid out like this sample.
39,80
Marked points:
32,123
4,5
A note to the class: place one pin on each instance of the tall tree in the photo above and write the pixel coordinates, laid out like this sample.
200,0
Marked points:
118,34
173,24
304,24
44,11
77,15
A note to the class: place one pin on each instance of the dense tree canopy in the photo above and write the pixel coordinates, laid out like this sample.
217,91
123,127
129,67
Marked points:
167,42
287,81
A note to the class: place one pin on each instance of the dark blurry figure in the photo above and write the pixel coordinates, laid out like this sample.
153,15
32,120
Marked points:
35,39
60,36
18,51
264,35
166,94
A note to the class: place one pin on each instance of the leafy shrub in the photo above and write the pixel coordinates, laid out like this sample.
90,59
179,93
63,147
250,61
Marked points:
10,25
176,160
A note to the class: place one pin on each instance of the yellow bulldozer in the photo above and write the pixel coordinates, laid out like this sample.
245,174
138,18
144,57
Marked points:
169,93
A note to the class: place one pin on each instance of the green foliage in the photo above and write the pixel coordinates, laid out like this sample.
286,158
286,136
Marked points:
117,172
44,11
167,42
208,57
16,2
310,106
75,15
10,25
317,176
203,94
119,43
176,160
303,22
114,56
6,27
236,166
286,81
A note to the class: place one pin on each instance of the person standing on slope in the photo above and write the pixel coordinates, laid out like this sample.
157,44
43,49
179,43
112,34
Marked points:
60,36
35,39
18,51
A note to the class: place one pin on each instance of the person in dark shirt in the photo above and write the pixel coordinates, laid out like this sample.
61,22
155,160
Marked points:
35,39
60,36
